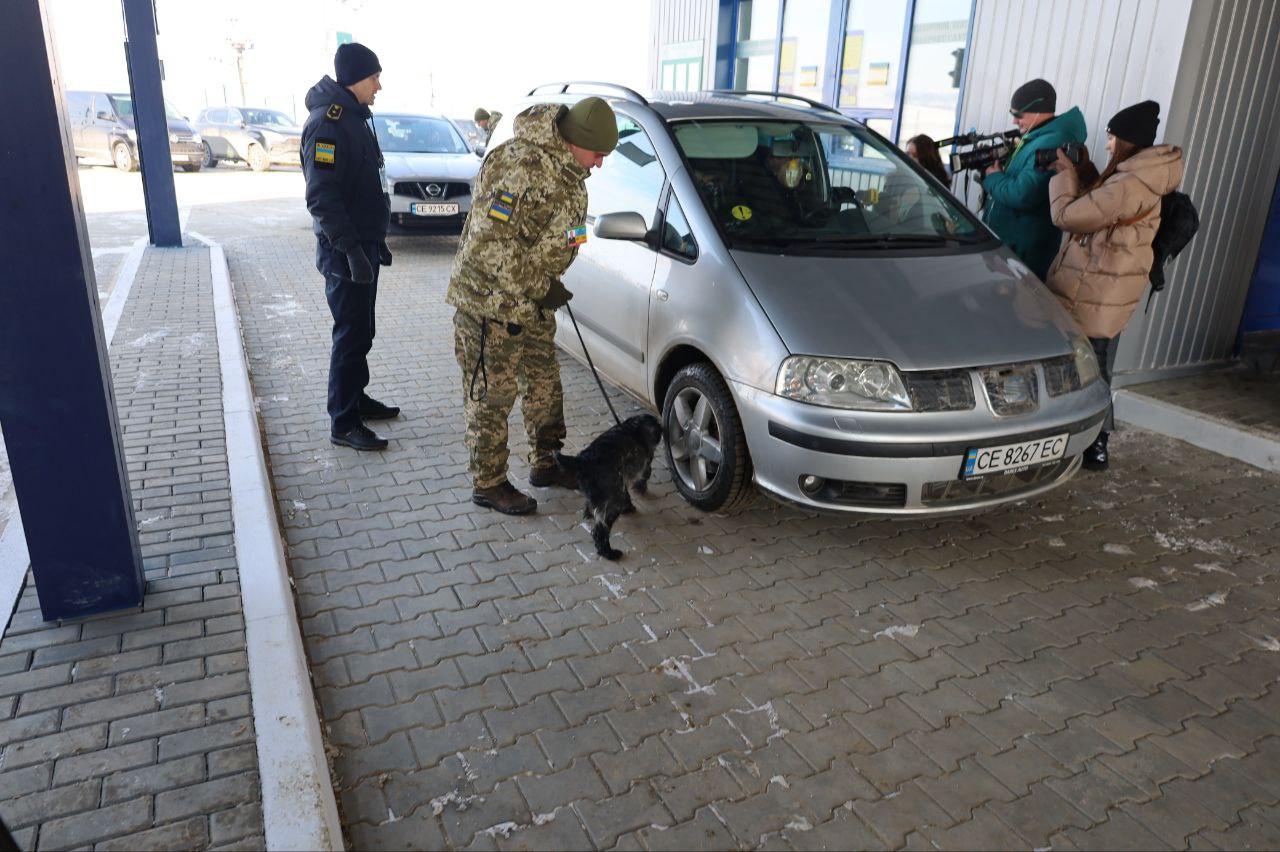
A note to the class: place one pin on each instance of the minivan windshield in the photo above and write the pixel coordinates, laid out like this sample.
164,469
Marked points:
784,185
124,108
406,134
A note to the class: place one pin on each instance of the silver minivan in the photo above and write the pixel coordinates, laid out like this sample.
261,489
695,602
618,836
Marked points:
812,313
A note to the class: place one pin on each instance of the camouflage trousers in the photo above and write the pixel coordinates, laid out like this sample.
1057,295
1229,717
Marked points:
522,364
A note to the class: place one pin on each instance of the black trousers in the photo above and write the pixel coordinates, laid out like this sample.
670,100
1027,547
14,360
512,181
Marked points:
1105,350
352,307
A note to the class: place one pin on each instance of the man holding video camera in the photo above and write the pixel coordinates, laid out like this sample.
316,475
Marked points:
1017,206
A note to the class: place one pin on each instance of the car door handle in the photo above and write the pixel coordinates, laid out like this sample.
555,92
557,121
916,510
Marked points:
662,295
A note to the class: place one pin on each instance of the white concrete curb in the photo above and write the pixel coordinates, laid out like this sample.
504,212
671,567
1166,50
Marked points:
14,557
1206,432
298,806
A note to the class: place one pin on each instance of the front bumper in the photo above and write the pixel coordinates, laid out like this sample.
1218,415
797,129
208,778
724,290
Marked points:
186,152
880,463
286,152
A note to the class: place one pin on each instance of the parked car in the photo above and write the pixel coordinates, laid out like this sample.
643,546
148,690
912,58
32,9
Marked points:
809,310
429,170
260,137
102,131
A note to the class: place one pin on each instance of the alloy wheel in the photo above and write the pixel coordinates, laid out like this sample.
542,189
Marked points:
694,439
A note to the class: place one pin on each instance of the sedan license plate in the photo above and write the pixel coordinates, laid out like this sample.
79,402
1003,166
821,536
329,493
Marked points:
1013,458
429,209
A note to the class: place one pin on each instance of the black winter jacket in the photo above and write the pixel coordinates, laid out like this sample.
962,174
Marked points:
342,162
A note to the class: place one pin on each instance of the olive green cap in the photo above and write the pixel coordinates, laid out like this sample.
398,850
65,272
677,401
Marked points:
482,114
590,124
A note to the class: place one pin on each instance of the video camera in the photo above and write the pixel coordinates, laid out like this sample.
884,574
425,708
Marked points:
984,149
1046,157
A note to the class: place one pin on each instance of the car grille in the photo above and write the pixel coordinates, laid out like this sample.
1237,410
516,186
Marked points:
940,390
420,189
962,491
1011,389
1061,375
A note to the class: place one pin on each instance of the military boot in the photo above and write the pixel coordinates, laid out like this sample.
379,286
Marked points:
505,498
1097,457
555,476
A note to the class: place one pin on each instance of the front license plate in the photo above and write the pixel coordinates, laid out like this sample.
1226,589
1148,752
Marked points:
1013,458
429,209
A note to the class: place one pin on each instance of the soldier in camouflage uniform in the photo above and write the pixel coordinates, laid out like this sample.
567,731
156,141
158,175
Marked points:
486,121
526,223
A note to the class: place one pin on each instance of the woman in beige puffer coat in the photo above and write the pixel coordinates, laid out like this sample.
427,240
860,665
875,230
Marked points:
1102,269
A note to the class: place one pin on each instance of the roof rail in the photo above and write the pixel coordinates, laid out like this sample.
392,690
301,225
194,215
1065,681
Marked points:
780,96
563,89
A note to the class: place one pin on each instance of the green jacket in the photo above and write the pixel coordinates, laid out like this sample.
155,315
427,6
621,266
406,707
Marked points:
1018,197
528,217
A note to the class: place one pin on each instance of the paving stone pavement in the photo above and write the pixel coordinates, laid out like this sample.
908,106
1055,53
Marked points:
134,730
1097,668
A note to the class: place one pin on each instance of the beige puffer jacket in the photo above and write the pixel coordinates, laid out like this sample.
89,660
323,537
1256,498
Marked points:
1101,270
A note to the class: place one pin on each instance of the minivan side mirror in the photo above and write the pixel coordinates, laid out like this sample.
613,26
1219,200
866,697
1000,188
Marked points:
621,226
104,115
480,149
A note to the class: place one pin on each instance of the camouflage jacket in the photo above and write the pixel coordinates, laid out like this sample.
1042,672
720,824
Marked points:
527,219
494,118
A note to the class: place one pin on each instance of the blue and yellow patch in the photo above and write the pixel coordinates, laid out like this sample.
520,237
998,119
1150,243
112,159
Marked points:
575,236
326,152
502,206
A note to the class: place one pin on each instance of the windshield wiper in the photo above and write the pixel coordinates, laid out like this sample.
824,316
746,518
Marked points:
900,240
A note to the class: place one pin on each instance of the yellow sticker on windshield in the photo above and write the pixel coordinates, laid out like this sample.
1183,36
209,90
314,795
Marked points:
741,212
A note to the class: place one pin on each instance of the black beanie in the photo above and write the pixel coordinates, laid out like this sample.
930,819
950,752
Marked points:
1035,96
353,62
1136,124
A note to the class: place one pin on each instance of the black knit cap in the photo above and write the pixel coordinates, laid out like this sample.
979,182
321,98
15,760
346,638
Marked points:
353,62
1136,124
1035,96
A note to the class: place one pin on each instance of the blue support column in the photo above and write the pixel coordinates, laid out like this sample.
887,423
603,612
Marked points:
143,59
57,407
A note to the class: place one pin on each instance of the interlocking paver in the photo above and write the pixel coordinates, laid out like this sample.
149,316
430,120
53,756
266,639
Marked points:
730,654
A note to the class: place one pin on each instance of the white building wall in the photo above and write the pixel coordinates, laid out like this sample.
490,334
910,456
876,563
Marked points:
680,22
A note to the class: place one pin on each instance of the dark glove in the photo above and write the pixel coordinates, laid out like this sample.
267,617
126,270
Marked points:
361,269
384,254
557,296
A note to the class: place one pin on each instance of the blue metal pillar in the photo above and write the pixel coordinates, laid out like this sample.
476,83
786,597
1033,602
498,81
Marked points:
57,408
150,122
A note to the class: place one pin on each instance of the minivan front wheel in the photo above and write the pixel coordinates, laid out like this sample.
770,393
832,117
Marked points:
706,449
123,157
258,158
209,160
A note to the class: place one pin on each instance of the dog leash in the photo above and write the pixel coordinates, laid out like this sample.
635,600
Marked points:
592,365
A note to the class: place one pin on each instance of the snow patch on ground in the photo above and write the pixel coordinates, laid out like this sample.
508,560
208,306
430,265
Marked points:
1143,583
907,630
1215,599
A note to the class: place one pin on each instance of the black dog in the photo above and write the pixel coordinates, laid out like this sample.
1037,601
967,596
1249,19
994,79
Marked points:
620,458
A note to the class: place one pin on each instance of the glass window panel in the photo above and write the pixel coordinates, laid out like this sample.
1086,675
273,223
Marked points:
757,41
802,62
631,178
883,126
677,236
932,94
872,52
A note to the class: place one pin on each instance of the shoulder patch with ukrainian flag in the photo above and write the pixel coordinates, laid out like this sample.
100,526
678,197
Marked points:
502,207
326,153
334,112
575,236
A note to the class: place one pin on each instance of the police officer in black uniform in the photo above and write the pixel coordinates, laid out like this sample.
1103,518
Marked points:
346,195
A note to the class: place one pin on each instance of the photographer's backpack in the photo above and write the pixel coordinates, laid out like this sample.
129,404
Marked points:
1179,222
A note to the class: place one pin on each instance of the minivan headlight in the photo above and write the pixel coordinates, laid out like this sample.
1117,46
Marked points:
1086,361
842,383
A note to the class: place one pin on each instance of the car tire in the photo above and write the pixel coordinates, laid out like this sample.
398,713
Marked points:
122,156
257,157
705,445
209,161
192,167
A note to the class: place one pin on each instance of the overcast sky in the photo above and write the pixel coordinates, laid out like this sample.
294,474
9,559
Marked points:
454,55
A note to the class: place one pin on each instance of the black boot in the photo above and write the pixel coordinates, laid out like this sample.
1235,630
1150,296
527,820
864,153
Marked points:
371,409
1097,457
359,438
